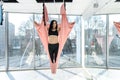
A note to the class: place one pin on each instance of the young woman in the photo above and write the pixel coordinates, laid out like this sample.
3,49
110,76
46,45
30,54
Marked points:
53,44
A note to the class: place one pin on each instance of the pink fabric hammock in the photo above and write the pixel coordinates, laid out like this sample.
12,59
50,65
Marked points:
117,25
65,28
101,42
110,38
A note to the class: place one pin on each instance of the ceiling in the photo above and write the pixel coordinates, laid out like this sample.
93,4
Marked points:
77,7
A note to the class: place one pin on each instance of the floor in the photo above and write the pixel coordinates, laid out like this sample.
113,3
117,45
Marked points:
62,74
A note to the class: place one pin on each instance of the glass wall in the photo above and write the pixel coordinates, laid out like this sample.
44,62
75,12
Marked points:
114,39
71,54
2,45
41,58
20,41
21,47
95,41
24,49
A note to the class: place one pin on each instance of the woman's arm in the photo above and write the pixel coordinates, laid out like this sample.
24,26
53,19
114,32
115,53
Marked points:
58,28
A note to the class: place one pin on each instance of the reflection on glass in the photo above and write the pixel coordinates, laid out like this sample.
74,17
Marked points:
95,41
114,47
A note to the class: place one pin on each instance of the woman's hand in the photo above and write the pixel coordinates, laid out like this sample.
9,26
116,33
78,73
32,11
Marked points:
36,24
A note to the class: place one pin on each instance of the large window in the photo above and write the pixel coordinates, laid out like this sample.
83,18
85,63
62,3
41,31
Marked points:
114,39
20,41
95,41
2,46
71,54
21,47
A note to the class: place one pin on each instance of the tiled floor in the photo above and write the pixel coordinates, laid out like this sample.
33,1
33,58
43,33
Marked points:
62,74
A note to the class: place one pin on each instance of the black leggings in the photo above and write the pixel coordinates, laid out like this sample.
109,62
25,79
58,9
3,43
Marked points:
53,51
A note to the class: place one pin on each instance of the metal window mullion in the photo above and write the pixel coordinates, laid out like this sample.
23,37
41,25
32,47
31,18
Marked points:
83,42
107,37
78,43
6,41
33,37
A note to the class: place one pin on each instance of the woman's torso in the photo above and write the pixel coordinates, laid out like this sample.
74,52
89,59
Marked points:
53,37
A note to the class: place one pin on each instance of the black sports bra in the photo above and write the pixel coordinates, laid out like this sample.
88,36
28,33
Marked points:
53,33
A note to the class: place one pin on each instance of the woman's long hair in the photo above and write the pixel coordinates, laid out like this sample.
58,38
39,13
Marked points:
51,25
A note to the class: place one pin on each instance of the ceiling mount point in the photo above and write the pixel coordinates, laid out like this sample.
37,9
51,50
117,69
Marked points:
10,1
52,1
117,1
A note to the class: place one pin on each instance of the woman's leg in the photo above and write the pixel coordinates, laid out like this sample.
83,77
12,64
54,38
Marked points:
51,51
56,51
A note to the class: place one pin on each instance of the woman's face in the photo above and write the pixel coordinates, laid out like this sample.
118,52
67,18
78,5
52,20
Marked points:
54,24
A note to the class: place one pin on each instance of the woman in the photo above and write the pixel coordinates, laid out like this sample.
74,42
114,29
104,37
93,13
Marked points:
53,44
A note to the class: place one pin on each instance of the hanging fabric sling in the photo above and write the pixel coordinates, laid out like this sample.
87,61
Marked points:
65,28
117,25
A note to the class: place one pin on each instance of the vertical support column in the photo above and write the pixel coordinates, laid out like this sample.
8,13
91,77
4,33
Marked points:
83,43
6,40
107,37
33,37
78,43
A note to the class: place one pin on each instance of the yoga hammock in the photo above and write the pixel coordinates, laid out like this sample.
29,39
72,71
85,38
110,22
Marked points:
101,42
117,25
65,28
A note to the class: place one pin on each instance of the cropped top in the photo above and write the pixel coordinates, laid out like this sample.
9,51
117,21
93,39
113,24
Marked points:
53,33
